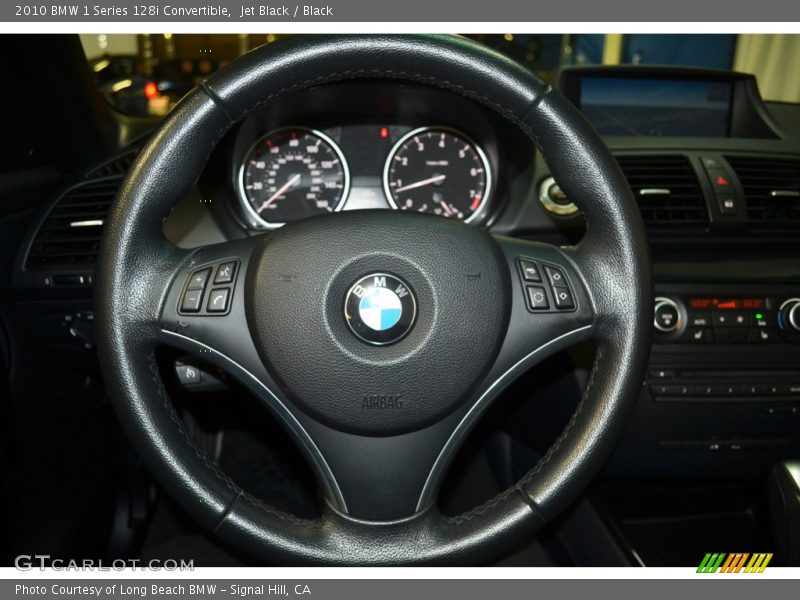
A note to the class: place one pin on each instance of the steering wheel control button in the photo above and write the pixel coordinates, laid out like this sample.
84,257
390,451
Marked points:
188,374
667,315
537,298
225,273
530,270
198,279
555,276
380,309
563,298
192,300
218,300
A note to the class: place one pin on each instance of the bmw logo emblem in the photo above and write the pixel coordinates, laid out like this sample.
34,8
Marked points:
380,308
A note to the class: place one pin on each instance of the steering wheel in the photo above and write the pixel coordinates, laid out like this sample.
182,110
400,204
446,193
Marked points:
377,338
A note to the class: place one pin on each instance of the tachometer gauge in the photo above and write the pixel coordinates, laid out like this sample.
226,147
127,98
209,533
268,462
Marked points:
440,171
293,173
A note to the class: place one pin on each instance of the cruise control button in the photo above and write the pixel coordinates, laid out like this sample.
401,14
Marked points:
555,276
530,271
218,300
537,297
225,272
198,279
191,300
563,298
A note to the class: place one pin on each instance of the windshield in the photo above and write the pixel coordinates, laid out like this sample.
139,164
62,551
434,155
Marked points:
147,74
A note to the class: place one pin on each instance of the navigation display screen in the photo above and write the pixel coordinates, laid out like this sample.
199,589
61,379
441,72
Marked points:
657,107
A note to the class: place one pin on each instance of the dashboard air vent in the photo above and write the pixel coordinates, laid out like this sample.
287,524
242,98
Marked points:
667,191
70,234
116,166
771,190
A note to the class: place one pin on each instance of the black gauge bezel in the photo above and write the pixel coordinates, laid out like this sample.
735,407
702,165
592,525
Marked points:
242,193
485,200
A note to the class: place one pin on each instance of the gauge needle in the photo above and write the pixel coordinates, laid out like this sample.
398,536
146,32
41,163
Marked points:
292,180
447,210
417,184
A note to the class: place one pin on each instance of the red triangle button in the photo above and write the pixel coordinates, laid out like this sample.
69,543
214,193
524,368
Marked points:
722,180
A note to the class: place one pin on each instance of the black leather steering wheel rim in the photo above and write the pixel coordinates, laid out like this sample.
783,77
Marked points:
135,260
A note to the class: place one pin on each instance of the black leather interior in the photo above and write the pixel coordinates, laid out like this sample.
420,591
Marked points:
135,260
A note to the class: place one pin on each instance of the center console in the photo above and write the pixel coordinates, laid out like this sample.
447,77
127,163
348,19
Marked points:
722,394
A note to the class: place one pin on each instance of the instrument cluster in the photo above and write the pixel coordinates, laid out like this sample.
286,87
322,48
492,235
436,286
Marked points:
293,172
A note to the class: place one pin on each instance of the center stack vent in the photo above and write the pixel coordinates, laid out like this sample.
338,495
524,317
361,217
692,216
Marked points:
771,191
667,192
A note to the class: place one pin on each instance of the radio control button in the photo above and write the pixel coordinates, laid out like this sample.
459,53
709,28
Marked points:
751,389
191,301
680,390
659,389
661,374
225,272
725,390
704,390
198,279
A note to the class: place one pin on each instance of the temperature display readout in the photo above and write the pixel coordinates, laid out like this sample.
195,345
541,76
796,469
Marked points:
727,303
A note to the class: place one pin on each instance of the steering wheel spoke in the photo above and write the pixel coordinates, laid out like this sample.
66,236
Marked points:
204,314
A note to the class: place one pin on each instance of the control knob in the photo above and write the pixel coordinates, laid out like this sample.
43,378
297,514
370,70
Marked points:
667,316
789,315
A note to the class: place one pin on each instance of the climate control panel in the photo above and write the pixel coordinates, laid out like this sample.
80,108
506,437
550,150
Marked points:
695,319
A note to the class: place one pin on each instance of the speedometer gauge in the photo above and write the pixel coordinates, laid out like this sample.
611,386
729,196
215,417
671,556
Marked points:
291,174
438,170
